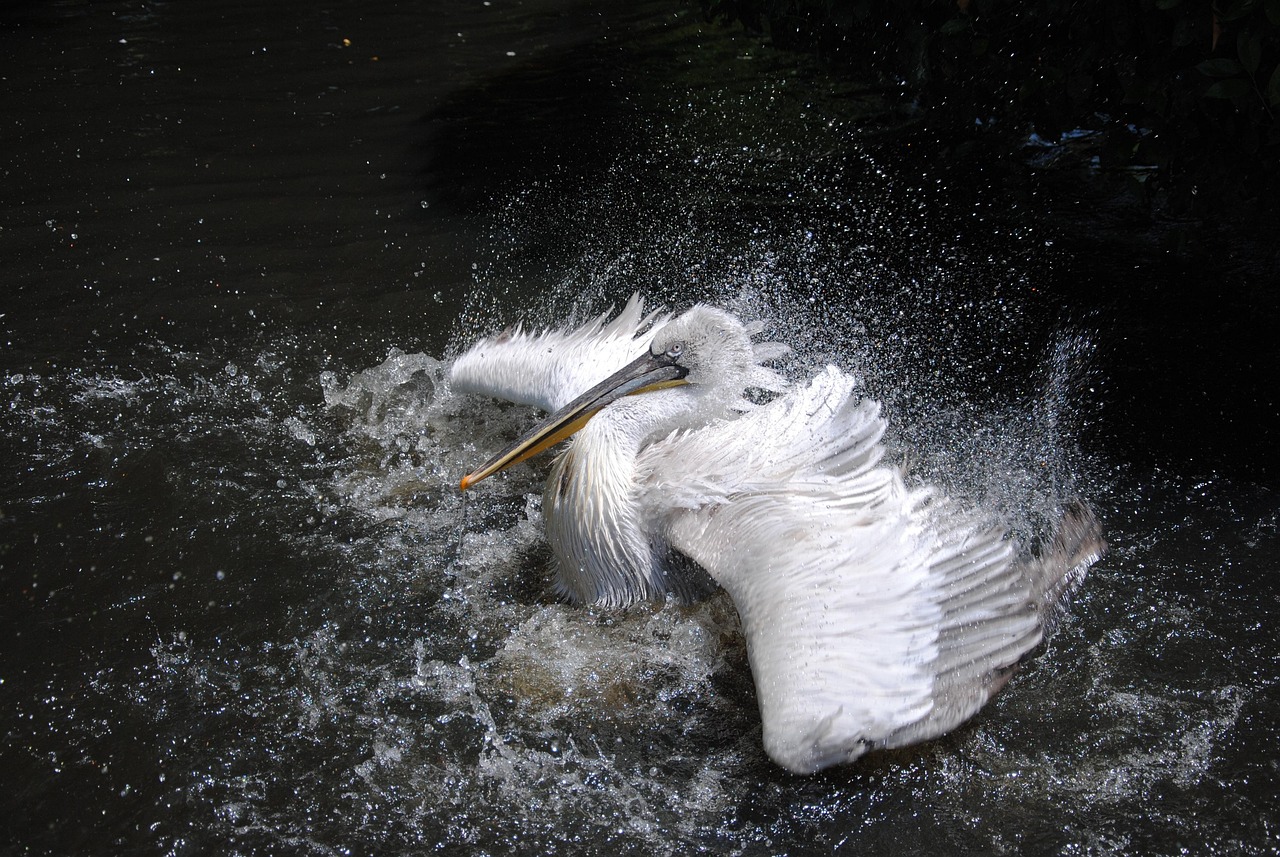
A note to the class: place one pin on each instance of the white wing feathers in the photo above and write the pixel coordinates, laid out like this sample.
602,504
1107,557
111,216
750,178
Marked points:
874,615
817,437
548,369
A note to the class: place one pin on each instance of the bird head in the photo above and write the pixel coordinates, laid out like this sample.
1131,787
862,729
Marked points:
705,351
711,347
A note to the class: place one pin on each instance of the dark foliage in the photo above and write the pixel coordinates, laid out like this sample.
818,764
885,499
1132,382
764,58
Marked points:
1180,97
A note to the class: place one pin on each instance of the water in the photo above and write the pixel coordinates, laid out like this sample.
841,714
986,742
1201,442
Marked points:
247,611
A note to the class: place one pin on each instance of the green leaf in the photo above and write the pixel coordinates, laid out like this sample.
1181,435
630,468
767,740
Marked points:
1273,88
1219,68
1249,48
1184,33
1235,87
1234,10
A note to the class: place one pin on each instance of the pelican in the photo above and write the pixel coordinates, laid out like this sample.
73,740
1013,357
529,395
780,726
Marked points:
876,615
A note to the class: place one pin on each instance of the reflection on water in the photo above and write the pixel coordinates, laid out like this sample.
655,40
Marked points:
249,612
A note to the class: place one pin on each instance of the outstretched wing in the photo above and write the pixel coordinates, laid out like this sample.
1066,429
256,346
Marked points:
548,369
875,616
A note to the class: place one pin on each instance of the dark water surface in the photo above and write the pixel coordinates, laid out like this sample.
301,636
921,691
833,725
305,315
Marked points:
243,609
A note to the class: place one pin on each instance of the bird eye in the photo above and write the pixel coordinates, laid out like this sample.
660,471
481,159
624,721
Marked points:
675,349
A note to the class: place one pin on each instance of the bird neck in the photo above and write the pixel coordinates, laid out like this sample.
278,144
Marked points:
633,422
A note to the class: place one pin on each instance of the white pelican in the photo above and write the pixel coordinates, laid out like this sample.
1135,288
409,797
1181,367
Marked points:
875,615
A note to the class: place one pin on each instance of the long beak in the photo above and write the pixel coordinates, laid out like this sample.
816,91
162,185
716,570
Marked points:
645,373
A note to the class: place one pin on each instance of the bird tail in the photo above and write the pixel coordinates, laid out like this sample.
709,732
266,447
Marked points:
1057,569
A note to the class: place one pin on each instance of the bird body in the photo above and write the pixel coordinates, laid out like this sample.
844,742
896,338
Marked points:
875,615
